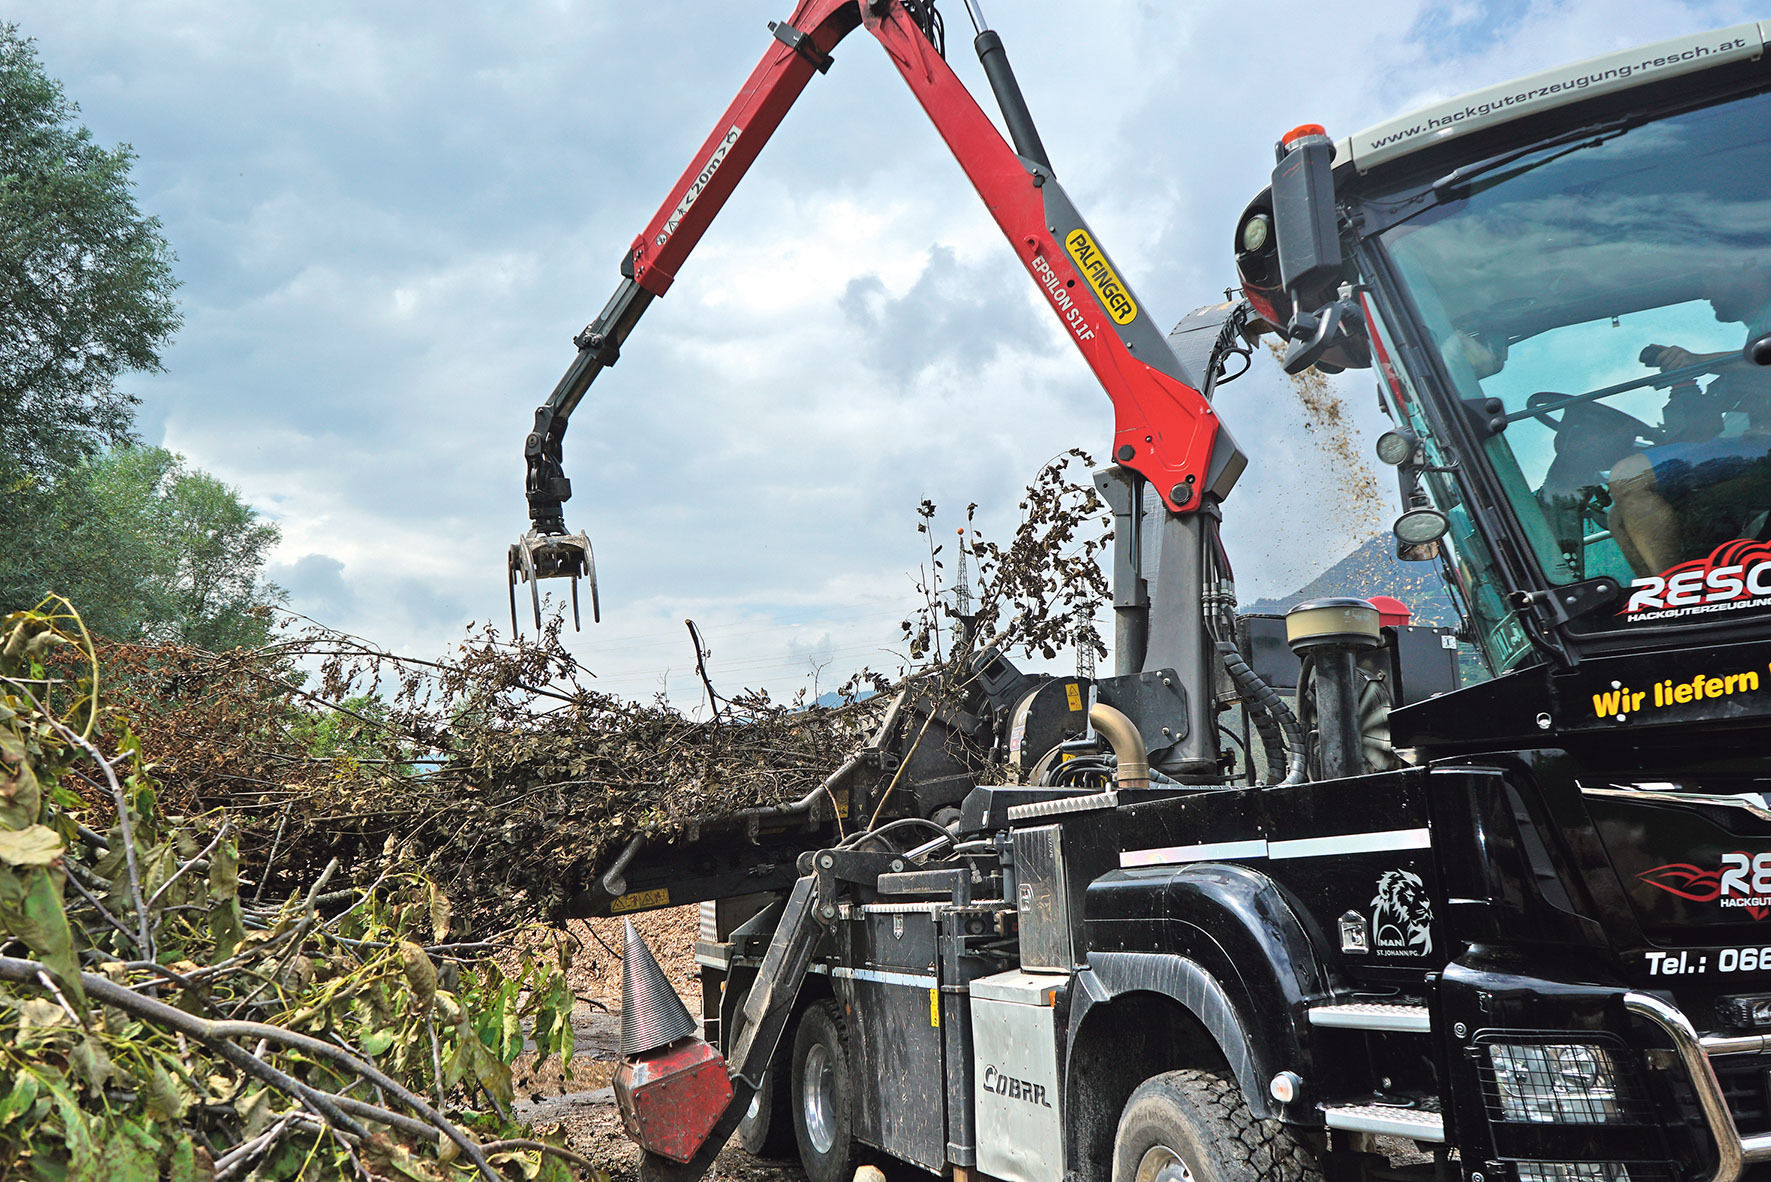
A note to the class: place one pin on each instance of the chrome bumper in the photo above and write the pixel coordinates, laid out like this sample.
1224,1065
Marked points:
1695,1052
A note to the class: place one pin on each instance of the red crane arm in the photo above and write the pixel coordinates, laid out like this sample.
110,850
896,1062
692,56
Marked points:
1163,427
802,47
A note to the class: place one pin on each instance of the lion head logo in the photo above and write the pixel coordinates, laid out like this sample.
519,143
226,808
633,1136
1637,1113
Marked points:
1402,915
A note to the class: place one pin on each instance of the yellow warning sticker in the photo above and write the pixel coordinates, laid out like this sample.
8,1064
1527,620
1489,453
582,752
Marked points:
1073,692
1101,276
935,1008
640,900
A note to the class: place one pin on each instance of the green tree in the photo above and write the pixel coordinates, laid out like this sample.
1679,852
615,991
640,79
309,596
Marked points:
86,279
149,548
146,546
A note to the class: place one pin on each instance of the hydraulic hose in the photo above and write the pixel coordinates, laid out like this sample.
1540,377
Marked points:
1281,736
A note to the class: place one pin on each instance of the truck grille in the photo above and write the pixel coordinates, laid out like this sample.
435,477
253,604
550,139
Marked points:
1593,1171
1744,1087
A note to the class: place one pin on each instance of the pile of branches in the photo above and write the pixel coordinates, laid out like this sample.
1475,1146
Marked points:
160,1020
503,774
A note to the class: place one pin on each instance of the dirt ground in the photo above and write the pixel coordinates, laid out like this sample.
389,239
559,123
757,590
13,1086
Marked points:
583,1103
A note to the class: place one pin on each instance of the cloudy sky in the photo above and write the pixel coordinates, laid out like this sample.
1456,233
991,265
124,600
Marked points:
392,217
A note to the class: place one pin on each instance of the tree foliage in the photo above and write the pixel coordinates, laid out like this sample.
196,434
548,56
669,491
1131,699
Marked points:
152,548
86,278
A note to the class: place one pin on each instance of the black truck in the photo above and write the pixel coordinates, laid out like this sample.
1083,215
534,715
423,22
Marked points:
1513,929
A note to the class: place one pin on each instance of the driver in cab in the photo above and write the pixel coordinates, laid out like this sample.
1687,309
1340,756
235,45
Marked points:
1710,481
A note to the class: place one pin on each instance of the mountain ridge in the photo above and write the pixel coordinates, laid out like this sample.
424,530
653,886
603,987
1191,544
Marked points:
1372,568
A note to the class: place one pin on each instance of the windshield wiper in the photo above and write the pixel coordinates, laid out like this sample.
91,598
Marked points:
1590,136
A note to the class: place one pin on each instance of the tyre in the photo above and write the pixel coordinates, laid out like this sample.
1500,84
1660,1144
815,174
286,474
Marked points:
767,1127
766,1130
1193,1126
822,1095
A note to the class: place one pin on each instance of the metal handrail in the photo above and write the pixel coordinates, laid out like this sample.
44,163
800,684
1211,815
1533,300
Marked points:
1757,1147
1731,1152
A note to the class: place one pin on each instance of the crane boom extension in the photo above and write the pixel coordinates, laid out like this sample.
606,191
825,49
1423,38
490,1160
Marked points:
1164,429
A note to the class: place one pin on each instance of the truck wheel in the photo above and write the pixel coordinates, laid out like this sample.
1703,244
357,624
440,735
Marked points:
822,1096
765,1130
1193,1126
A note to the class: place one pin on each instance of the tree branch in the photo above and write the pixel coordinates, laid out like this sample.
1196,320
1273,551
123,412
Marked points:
219,1036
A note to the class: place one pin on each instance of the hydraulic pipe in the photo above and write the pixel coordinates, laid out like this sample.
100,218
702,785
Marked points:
1122,735
614,879
1340,742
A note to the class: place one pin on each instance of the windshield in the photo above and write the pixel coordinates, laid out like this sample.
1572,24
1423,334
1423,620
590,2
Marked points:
1602,292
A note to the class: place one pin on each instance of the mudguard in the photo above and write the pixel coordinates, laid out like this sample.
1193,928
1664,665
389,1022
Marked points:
1224,942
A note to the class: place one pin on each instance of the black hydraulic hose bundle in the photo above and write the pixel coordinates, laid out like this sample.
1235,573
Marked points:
1281,736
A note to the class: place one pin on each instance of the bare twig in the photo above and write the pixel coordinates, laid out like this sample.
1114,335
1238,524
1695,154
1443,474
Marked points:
701,668
270,860
103,911
244,1152
48,983
227,827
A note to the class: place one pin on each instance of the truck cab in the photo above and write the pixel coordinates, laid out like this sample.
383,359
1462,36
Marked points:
1563,287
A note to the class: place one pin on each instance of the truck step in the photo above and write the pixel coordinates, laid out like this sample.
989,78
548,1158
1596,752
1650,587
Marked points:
1378,1118
1394,1017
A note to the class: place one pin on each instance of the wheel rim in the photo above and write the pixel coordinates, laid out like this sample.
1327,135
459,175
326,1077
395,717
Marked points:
1162,1164
818,1098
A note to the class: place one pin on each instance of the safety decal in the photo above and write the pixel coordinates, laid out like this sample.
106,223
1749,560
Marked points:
698,185
1093,264
1401,915
640,900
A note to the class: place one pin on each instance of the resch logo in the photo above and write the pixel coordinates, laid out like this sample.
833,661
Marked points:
1743,880
1736,575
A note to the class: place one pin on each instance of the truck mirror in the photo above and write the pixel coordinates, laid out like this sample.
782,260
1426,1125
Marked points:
1759,351
1310,262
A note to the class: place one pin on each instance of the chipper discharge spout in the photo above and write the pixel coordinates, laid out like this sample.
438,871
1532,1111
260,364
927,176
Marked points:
678,1098
672,1088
